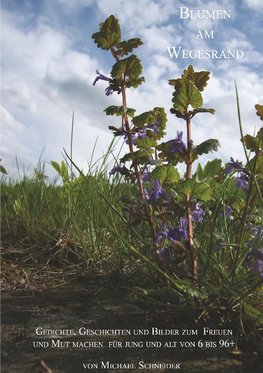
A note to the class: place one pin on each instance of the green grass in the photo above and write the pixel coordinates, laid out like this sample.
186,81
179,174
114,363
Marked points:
81,219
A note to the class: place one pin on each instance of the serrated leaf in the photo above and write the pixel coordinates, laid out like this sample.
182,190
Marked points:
200,190
259,109
148,118
201,110
143,119
118,111
116,131
212,168
146,143
186,94
138,157
109,34
134,82
126,47
130,67
166,174
251,143
207,146
177,113
199,78
172,81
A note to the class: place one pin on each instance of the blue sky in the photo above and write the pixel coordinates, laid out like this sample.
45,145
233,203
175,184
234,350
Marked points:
49,61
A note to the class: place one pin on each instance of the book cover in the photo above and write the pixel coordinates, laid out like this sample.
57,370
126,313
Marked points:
131,186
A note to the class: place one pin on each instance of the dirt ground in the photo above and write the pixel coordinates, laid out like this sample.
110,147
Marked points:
94,301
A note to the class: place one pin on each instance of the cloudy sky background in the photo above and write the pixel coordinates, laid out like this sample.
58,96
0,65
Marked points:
49,62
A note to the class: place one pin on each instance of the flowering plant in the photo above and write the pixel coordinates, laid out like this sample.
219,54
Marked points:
173,206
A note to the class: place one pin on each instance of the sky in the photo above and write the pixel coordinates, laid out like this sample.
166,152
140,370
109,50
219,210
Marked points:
49,62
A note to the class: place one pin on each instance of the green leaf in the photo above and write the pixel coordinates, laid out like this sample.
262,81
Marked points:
186,94
146,143
64,171
126,47
109,34
146,119
172,81
206,147
143,119
118,111
178,113
199,172
201,110
56,167
130,67
138,157
259,109
212,168
254,143
193,291
200,190
198,78
251,143
166,174
256,164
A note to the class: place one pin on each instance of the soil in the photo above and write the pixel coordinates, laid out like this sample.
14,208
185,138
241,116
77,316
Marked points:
93,301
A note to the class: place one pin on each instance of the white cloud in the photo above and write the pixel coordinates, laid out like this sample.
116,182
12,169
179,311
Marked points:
8,121
44,81
46,77
20,95
74,5
136,15
254,4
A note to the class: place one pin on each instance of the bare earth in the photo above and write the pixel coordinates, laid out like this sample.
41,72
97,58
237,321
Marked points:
32,299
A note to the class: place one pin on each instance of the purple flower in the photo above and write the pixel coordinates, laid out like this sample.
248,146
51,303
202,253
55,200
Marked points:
164,255
242,182
198,213
110,89
183,227
228,212
134,136
142,134
100,77
174,233
154,127
162,234
115,170
159,193
177,145
233,166
254,260
146,175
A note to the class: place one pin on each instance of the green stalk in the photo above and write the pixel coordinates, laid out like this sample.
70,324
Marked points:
125,124
188,176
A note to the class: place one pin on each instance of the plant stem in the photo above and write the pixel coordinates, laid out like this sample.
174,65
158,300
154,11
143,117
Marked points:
188,176
125,123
